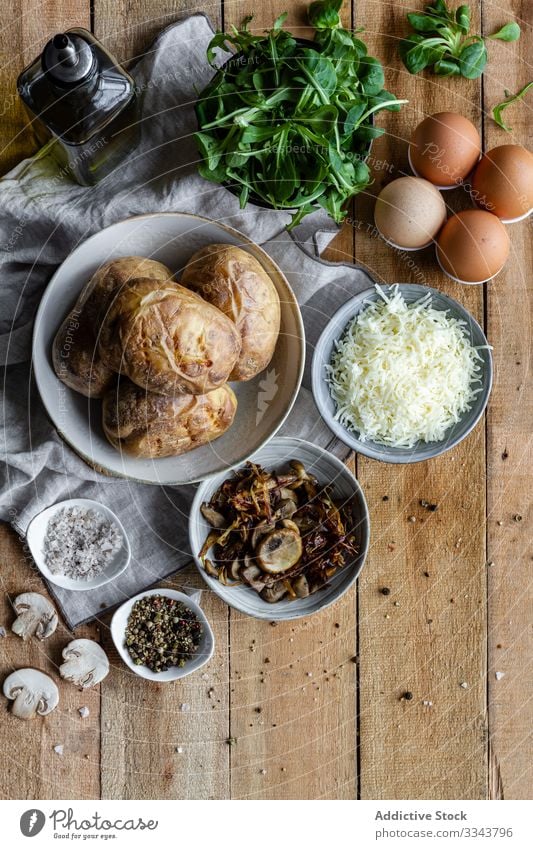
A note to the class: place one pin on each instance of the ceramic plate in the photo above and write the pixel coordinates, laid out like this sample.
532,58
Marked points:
329,470
263,403
422,450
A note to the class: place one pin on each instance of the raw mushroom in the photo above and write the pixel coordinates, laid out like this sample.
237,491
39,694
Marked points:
279,550
86,663
32,692
36,616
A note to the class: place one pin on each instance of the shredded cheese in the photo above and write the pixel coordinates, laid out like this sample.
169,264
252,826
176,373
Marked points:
403,373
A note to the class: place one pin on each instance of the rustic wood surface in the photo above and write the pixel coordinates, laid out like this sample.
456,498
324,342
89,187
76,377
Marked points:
313,709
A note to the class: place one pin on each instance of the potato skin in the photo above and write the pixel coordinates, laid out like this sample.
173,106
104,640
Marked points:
76,358
167,339
234,281
150,426
111,277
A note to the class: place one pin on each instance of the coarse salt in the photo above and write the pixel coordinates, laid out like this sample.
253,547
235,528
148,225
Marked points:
80,543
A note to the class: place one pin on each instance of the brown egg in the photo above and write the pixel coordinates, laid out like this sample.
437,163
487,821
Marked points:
503,182
472,246
409,212
444,148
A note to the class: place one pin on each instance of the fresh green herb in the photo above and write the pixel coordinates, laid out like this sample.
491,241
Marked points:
441,40
289,123
510,98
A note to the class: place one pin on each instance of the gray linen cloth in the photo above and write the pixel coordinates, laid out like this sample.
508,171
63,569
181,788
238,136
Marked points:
43,217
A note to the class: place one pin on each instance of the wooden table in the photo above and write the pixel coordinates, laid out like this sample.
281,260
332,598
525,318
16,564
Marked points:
314,709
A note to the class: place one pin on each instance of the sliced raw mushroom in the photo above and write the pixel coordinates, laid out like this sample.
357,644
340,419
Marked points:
279,550
274,593
86,663
215,519
32,692
36,616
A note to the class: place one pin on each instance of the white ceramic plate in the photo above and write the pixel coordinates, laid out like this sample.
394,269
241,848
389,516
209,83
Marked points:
328,469
203,654
264,402
37,531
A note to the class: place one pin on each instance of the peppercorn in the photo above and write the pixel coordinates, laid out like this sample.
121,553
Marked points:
385,591
162,633
407,695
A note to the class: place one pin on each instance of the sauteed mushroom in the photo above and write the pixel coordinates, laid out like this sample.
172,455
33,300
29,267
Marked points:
281,534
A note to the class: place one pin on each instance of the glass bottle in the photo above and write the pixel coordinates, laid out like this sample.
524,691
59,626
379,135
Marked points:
77,94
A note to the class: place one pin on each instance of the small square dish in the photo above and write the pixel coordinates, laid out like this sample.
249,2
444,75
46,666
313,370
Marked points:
203,653
36,534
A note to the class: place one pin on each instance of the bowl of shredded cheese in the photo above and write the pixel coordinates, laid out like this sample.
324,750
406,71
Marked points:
402,373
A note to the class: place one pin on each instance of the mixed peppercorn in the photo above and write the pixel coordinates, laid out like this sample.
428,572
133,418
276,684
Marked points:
161,633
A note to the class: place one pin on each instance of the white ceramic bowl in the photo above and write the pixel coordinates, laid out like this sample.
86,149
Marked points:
422,450
203,654
263,403
36,533
328,469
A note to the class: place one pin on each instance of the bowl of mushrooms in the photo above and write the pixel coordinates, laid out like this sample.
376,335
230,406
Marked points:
285,535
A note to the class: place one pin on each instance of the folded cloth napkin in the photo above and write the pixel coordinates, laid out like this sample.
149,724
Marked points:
43,217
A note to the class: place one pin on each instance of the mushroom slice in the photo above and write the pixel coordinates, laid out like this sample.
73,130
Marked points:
259,531
209,568
300,586
286,508
86,663
32,692
215,519
36,616
279,550
274,593
252,575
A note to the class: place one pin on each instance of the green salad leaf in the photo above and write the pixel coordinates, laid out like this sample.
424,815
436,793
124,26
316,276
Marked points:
441,41
497,111
288,122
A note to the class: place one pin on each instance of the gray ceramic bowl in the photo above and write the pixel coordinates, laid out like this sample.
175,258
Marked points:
326,405
328,469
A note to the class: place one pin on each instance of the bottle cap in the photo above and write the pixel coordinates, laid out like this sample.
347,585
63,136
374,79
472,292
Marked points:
67,59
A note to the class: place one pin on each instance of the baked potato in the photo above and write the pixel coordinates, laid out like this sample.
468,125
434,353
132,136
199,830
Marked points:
235,282
148,425
75,354
76,358
111,277
167,339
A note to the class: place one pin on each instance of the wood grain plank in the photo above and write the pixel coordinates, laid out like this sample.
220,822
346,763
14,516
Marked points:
510,441
428,636
127,27
293,686
32,769
168,740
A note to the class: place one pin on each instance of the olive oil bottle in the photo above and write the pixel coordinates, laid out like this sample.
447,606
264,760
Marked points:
77,95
